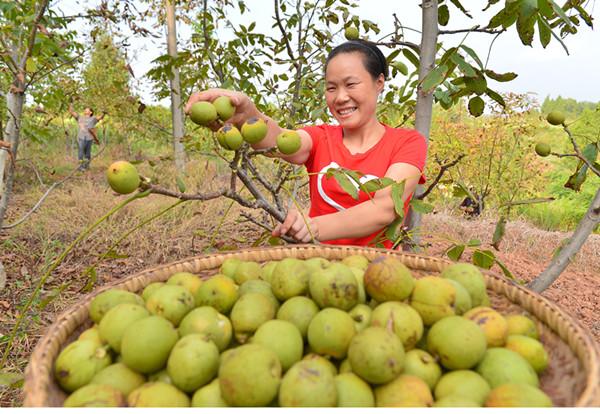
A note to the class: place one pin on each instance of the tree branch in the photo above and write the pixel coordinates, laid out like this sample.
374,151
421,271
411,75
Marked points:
264,226
473,29
443,169
32,34
580,154
217,70
34,77
288,46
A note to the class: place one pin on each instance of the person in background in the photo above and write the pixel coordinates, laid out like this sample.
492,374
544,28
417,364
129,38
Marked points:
355,74
86,134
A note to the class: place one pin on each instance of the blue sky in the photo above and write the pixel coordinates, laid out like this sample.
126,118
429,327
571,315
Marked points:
541,71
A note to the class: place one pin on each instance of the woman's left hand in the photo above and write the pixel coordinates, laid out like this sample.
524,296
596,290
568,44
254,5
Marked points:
303,229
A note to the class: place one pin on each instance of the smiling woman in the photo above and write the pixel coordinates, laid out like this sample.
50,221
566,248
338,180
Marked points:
355,74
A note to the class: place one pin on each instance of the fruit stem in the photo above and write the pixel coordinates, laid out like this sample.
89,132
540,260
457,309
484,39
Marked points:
55,264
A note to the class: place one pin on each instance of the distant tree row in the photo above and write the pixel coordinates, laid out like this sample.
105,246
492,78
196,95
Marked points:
569,106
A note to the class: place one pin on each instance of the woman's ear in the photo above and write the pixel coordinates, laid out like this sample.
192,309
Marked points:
380,83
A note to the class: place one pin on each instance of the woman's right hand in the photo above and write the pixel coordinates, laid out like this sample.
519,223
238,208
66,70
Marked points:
244,107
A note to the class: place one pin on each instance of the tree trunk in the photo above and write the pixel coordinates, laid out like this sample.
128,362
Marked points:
14,107
585,227
176,108
424,106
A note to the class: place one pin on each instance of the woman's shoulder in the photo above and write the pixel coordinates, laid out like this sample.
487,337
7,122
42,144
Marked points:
404,133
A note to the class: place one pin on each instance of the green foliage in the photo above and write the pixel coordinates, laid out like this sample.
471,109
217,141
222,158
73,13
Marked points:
569,106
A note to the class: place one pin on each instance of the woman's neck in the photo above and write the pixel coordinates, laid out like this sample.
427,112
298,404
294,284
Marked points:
361,139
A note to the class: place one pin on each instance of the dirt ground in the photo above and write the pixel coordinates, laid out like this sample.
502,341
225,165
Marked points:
525,251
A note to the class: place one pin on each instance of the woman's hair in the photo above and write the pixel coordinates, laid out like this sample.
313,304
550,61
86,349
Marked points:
373,60
90,108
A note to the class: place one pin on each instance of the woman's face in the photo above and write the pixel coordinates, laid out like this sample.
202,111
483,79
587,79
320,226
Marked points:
350,91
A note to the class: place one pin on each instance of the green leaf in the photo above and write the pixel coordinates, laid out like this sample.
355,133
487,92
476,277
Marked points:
461,8
397,193
180,184
505,17
11,379
462,64
443,15
474,243
408,54
545,8
505,270
561,13
434,78
455,252
484,258
499,232
393,231
112,254
421,206
345,183
30,65
496,97
544,31
500,77
473,55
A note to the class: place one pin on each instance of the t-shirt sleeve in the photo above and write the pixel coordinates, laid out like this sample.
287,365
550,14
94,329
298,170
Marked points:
411,149
93,122
317,135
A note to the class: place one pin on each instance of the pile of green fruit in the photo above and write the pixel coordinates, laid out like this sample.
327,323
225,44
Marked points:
301,333
253,131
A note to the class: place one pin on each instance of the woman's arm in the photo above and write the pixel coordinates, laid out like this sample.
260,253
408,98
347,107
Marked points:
244,110
358,221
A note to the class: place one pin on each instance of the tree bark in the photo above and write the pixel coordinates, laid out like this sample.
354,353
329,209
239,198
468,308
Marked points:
14,106
176,108
560,262
424,106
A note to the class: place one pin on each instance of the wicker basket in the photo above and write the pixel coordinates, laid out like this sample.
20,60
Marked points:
571,379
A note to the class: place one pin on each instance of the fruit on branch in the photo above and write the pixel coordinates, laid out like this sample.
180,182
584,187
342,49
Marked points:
288,142
224,107
351,33
476,106
230,137
203,113
123,177
254,130
555,118
543,149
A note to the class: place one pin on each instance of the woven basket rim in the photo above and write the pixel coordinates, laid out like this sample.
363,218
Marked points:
567,327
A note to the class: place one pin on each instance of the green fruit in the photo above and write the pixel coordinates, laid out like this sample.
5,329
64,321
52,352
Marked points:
228,266
476,106
330,332
361,314
160,376
555,118
246,271
203,113
120,377
212,325
96,395
298,310
455,401
376,355
267,271
463,383
91,334
521,325
404,391
110,298
351,33
353,391
116,320
421,364
492,323
530,349
193,362
401,319
157,394
147,343
517,395
224,107
78,362
359,275
400,67
356,260
254,130
322,362
463,302
289,278
345,366
470,278
259,286
249,312
188,280
123,177
433,298
172,302
307,384
288,142
316,263
457,342
334,287
209,396
230,137
543,149
283,338
219,291
150,289
249,376
501,366
386,278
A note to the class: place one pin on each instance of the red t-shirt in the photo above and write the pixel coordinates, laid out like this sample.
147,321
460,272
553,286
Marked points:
328,151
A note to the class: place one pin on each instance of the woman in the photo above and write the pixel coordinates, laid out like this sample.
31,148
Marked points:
355,74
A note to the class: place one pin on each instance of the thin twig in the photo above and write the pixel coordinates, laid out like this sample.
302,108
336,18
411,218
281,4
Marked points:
443,169
473,29
264,226
580,154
